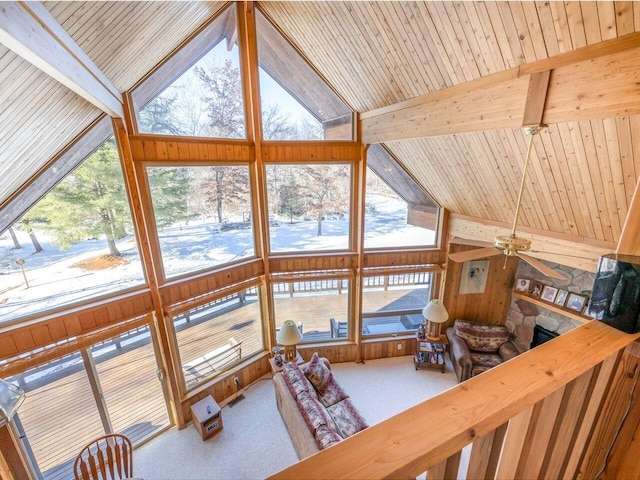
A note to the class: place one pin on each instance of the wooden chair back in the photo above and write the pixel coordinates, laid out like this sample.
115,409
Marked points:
109,457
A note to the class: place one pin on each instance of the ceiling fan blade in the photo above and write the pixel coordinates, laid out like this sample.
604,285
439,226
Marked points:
474,254
473,243
541,267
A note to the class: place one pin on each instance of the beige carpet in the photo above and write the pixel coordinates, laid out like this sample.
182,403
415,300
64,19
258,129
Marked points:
254,442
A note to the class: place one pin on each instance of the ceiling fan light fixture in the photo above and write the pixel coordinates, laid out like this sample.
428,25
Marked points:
511,245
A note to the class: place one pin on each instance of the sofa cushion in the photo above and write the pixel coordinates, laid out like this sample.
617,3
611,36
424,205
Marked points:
295,379
346,418
481,337
314,413
325,437
319,374
332,393
482,362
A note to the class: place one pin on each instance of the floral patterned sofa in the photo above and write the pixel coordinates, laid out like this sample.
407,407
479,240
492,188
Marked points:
314,407
477,347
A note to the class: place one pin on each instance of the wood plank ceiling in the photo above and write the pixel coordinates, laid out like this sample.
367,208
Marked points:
375,54
583,174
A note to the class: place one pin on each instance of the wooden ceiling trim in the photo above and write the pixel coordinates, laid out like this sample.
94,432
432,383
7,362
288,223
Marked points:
625,149
31,38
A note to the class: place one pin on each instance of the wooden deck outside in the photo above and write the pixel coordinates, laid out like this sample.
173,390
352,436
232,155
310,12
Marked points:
60,415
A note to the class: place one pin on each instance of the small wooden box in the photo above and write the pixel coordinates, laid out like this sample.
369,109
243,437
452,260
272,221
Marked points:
207,417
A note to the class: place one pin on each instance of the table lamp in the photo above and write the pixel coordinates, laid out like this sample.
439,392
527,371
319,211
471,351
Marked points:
289,336
11,396
435,314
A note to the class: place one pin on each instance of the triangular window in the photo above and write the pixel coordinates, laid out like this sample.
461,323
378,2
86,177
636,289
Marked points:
297,104
197,92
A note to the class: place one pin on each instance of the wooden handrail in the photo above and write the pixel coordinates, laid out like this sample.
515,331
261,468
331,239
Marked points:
436,430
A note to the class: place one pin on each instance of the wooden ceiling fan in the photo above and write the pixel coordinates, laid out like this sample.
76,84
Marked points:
511,245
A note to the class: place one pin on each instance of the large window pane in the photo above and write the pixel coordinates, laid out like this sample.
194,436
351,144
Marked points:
393,303
59,414
214,337
320,307
309,207
203,216
297,104
77,243
206,99
398,212
133,393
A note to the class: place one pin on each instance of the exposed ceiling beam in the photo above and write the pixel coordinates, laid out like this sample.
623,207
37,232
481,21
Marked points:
569,250
29,30
598,81
629,242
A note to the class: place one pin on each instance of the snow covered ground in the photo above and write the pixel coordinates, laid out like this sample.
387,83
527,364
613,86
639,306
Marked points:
53,281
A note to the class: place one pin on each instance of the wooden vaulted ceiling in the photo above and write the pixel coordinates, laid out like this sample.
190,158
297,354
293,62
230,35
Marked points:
376,54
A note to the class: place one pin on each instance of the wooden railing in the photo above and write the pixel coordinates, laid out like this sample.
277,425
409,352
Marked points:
552,412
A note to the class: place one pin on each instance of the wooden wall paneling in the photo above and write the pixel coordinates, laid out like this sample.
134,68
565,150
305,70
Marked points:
336,353
273,151
622,460
612,412
372,349
488,307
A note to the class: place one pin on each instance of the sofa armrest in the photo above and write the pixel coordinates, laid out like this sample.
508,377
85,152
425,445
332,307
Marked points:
507,351
460,355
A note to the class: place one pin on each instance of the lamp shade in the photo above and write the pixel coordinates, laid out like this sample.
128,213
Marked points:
289,334
11,396
435,312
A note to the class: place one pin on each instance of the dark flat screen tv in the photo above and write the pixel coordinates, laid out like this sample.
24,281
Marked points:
615,299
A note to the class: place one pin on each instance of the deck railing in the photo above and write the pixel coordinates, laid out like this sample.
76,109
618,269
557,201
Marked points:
551,412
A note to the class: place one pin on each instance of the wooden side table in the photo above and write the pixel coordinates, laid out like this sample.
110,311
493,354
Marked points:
207,417
278,368
430,354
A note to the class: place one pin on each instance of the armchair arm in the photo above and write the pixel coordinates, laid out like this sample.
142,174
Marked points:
460,355
507,351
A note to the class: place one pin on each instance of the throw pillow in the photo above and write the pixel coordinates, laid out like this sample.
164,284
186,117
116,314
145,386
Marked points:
318,374
481,337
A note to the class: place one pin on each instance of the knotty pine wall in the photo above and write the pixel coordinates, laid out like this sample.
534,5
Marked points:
488,307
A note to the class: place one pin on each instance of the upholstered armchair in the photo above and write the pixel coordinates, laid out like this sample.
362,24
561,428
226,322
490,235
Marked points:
477,347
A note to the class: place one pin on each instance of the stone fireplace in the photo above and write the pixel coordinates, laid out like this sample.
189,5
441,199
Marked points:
523,316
